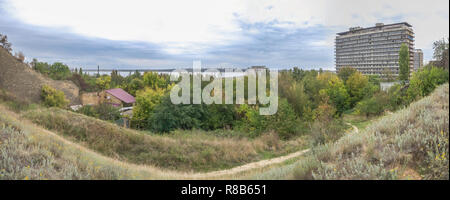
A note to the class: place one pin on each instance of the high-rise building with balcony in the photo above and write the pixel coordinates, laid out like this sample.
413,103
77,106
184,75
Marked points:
418,59
374,50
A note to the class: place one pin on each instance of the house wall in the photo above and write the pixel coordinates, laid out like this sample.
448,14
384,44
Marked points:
91,98
108,98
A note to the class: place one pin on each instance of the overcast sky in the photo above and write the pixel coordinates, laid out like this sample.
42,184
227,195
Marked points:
237,33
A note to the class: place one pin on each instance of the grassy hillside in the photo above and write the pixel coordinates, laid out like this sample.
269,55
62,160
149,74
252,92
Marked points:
409,144
25,84
183,150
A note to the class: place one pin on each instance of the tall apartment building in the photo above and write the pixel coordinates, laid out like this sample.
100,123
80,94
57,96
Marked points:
418,59
374,50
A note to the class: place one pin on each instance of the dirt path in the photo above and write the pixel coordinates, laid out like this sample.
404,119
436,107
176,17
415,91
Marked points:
163,174
259,164
354,128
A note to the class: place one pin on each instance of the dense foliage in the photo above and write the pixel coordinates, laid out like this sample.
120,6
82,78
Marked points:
53,98
403,63
102,111
56,71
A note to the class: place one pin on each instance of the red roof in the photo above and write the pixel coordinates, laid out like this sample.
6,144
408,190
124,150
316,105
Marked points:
122,95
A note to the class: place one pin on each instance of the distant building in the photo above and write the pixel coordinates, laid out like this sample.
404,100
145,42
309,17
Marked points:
259,67
418,59
374,50
384,86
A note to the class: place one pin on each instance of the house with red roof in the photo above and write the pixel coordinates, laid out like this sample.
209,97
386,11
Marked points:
117,97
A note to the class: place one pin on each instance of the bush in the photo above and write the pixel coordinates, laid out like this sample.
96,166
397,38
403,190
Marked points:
146,101
167,117
294,92
80,81
356,86
425,81
285,123
56,71
53,98
103,111
5,43
334,92
373,106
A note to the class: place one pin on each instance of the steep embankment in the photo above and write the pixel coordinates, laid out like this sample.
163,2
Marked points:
25,84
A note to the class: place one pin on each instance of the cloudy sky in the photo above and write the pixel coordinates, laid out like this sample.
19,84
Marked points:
237,33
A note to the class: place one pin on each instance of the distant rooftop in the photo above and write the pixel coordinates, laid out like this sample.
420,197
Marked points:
377,25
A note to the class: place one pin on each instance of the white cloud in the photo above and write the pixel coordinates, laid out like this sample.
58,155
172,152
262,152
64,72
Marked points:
192,26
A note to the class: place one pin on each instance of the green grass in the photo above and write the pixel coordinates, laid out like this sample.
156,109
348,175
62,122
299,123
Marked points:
359,121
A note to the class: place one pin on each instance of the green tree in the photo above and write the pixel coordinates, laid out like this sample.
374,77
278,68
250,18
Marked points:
284,122
153,80
250,120
103,82
404,62
356,85
335,91
146,100
116,78
425,81
53,98
42,67
345,72
440,53
134,85
397,96
168,116
295,94
374,105
59,71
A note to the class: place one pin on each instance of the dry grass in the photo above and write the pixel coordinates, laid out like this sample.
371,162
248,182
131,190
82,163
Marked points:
63,159
409,144
185,151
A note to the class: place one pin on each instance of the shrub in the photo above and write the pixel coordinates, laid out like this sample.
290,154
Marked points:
374,105
284,122
19,56
103,111
53,98
5,43
167,117
345,73
146,101
425,81
81,83
56,71
334,91
295,94
356,86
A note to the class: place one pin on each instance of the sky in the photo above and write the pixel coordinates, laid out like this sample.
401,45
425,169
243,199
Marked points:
226,33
